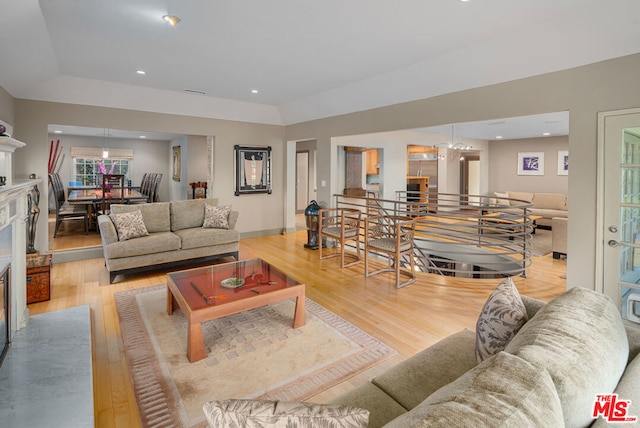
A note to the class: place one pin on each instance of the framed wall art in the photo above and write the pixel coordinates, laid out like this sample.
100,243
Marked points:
531,163
252,170
563,162
176,163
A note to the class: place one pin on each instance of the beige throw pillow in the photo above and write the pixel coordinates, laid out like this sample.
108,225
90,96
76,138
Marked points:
265,414
216,217
501,317
129,225
502,198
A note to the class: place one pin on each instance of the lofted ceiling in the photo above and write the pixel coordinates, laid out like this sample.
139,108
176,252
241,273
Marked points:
306,59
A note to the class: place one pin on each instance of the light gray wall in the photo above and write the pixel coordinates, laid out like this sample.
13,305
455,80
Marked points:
583,91
259,214
503,158
148,157
6,107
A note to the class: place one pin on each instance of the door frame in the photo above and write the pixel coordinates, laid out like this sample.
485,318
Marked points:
600,186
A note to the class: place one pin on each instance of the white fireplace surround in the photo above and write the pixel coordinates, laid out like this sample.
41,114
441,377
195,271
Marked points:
13,222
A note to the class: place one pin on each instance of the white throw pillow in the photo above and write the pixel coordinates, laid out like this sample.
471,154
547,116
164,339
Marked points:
129,225
265,414
501,317
216,217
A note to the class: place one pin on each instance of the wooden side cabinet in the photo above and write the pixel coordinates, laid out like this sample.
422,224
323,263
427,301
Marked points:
38,284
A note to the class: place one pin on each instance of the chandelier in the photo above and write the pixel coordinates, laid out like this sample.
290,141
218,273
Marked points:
455,149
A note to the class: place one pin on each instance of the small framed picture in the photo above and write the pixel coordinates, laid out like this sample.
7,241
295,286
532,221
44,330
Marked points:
563,162
176,163
531,163
252,170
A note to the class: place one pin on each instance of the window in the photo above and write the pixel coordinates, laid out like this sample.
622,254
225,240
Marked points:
85,170
86,162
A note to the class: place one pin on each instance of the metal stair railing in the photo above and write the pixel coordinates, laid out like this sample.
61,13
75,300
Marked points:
456,237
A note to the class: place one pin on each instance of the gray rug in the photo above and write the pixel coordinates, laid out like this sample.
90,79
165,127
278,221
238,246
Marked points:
541,242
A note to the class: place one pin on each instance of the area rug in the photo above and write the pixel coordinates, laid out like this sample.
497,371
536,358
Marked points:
254,354
541,242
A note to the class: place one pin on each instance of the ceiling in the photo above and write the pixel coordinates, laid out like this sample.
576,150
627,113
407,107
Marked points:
306,59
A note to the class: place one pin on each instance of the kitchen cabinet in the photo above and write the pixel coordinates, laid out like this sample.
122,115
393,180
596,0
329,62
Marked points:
373,161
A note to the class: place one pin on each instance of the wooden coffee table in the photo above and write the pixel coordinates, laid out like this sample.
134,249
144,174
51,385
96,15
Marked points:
211,292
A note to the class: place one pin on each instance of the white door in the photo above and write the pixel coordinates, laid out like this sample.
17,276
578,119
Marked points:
619,148
302,181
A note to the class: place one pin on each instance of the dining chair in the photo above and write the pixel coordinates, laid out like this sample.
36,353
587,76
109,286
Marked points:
391,237
64,210
156,184
111,191
198,190
341,225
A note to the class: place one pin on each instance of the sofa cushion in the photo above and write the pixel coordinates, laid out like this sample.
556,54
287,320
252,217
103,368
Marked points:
382,408
553,201
202,237
155,215
500,319
276,414
503,391
414,379
129,225
151,244
189,213
521,196
216,217
579,338
627,389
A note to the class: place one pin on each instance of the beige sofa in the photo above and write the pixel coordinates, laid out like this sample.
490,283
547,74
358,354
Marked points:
559,237
547,205
175,235
549,374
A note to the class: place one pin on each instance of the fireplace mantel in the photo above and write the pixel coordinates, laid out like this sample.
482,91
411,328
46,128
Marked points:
13,229
13,225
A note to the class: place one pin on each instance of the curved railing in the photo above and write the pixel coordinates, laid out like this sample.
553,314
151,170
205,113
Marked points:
460,235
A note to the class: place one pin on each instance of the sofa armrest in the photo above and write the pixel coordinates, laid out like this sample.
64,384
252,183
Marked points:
107,230
233,218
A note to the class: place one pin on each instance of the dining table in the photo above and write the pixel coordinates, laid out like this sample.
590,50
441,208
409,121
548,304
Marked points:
91,196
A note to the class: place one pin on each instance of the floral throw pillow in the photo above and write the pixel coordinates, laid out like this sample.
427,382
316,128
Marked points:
129,225
216,217
265,414
501,318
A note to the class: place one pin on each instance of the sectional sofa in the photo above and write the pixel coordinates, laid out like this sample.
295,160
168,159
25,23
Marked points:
548,374
547,205
147,236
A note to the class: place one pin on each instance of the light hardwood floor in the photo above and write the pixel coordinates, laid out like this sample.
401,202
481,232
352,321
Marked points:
408,320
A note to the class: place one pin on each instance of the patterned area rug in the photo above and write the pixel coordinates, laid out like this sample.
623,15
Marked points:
254,354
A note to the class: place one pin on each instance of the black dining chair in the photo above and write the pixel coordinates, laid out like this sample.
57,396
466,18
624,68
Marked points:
64,210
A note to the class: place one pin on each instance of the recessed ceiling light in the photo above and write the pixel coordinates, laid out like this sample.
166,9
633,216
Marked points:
172,19
57,131
141,72
546,134
143,136
254,91
498,137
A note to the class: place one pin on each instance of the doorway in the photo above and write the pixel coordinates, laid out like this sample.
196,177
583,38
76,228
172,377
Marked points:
619,216
470,177
302,181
